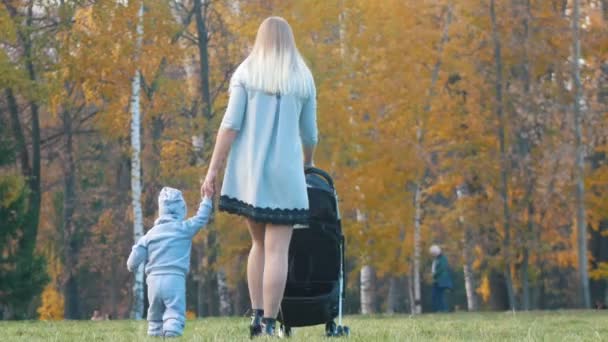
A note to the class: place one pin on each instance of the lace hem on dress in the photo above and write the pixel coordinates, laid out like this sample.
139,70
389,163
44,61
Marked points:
266,215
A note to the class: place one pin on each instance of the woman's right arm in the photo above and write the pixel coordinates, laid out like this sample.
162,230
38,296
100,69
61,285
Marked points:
308,128
223,142
231,124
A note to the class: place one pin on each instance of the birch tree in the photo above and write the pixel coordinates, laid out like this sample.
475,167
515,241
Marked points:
417,302
138,225
368,290
467,251
420,132
581,224
499,108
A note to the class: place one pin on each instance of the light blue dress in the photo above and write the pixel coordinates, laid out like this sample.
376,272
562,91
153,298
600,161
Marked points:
264,178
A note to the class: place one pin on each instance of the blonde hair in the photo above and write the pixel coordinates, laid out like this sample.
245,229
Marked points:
275,65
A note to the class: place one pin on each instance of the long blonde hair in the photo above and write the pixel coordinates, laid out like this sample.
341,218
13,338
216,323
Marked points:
275,65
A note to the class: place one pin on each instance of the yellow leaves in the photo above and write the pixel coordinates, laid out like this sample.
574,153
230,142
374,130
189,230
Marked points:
190,315
478,260
7,27
174,159
52,303
13,187
446,184
601,272
564,258
484,290
84,19
51,308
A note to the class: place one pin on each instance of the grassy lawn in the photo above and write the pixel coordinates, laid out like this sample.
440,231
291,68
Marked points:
533,326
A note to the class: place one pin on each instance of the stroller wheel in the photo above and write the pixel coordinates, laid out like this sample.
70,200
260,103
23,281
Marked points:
285,331
346,331
339,331
330,329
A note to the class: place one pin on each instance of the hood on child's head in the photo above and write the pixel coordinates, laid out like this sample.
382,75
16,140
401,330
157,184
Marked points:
171,205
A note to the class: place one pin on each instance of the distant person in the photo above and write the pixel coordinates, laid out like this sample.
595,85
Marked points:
442,280
165,250
267,137
97,316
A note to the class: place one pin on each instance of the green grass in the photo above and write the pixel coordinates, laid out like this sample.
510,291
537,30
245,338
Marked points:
531,326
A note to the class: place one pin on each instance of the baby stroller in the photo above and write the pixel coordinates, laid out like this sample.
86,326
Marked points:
315,281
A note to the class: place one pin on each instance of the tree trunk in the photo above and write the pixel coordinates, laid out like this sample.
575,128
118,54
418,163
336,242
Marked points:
605,9
200,297
525,283
393,295
113,293
417,238
467,255
241,302
398,260
499,296
202,136
200,12
138,229
27,242
224,294
70,286
34,181
368,290
420,139
410,291
469,280
467,269
342,29
503,159
580,161
217,287
523,9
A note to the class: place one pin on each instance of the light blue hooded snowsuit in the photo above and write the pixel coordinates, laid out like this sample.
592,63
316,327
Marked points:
165,249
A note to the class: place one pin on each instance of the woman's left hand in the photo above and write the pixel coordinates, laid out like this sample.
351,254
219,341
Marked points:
208,187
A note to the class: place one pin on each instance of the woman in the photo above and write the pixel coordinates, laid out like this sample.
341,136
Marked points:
270,132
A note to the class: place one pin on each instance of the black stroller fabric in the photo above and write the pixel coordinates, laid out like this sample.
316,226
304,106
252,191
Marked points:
321,199
312,291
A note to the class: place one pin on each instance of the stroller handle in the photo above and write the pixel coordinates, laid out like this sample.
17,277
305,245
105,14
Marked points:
316,171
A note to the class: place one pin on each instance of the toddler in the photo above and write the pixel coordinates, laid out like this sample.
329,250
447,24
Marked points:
165,250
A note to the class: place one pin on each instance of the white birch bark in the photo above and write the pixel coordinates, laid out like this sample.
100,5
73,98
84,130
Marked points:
416,267
467,255
504,162
410,289
223,293
138,228
417,305
580,160
368,290
342,30
367,278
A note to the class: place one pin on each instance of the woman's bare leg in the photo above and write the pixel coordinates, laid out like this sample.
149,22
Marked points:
255,264
276,248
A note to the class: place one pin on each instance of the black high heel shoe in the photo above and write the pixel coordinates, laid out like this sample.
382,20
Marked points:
269,326
255,328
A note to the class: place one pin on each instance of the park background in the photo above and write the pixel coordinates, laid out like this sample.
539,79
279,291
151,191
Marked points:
477,125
